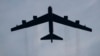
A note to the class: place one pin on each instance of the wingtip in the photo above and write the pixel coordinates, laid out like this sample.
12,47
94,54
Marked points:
91,30
12,30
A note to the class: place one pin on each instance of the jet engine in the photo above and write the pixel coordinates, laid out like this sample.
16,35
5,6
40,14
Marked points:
34,17
66,17
77,22
23,21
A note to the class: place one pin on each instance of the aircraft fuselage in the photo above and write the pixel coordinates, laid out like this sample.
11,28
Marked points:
51,28
51,36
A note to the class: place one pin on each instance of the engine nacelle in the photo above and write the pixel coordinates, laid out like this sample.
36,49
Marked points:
66,17
23,21
34,17
77,22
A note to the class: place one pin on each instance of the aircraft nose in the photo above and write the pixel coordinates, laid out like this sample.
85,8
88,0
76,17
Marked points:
49,9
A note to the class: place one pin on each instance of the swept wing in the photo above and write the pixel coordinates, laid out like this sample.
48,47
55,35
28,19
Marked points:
34,22
70,23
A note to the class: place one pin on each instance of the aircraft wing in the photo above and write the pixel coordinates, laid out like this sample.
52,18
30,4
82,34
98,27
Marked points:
67,22
34,22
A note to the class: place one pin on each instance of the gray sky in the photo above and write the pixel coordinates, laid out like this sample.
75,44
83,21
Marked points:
26,42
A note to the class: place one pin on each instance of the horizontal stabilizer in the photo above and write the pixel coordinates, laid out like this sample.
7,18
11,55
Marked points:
51,36
55,37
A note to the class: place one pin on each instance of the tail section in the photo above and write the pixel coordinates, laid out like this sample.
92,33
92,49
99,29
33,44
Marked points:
55,37
47,37
51,37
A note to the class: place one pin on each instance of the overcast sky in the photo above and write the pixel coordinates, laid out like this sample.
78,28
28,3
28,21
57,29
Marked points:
26,42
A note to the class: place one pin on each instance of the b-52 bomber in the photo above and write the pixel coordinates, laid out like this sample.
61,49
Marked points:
51,17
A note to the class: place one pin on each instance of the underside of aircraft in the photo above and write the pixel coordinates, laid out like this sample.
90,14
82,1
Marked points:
51,17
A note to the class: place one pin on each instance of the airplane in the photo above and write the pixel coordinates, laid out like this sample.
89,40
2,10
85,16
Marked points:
51,17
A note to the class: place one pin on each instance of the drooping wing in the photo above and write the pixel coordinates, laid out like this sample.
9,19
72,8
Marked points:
37,21
67,22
